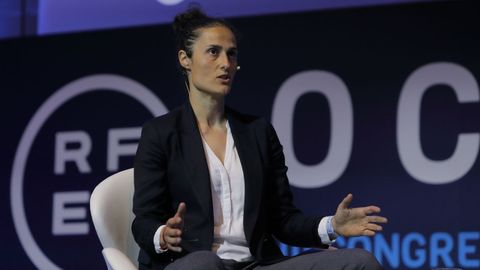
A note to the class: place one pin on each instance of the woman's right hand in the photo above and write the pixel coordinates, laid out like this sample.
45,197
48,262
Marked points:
171,235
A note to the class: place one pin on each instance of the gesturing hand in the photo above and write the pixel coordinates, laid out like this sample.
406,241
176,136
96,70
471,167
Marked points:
171,235
356,221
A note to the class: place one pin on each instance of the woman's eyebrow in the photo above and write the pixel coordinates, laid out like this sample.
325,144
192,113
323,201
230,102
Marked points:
216,46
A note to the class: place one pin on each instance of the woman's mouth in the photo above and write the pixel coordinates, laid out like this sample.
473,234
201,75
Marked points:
224,78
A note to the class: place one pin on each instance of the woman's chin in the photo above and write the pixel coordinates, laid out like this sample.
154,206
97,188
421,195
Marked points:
221,92
218,92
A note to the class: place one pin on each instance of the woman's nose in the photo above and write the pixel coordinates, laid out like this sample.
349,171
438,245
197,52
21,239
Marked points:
224,61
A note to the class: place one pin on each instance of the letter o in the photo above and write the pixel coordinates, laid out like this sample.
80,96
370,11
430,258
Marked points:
341,134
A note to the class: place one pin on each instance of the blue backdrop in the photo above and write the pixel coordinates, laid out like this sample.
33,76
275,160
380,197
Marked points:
382,102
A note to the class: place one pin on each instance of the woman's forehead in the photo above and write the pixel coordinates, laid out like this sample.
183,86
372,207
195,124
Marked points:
216,35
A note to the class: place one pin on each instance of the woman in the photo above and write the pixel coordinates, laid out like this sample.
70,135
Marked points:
211,190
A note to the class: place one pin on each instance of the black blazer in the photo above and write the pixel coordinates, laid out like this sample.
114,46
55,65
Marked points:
171,167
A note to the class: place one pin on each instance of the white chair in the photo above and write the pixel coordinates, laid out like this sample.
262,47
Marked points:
111,210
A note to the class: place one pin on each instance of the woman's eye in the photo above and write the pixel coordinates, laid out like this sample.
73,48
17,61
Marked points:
232,54
213,51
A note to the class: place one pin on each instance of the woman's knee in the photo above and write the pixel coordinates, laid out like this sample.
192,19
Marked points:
208,260
199,260
365,260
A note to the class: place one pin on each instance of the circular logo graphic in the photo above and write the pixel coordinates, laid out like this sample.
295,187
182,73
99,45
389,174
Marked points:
170,2
88,84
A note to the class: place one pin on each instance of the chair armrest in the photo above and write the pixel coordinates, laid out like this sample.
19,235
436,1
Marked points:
116,260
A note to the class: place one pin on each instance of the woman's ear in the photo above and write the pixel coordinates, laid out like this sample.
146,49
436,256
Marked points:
184,60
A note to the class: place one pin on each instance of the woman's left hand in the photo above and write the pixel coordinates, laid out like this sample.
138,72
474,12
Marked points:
356,221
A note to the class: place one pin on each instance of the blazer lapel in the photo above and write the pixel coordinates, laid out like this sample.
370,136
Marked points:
247,149
194,157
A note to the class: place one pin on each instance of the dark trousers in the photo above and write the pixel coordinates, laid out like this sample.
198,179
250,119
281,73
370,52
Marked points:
344,259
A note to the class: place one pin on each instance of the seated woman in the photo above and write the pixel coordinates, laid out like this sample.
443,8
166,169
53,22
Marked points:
211,189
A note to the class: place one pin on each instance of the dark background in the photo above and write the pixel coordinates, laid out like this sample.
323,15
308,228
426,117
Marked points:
373,50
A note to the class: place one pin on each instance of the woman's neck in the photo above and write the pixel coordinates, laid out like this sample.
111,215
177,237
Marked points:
208,110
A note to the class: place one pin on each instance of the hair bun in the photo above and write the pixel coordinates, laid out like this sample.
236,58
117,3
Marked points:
187,20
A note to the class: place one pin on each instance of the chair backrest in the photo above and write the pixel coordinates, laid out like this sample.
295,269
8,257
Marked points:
111,210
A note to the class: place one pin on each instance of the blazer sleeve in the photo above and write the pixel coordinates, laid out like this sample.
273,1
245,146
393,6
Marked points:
287,222
150,199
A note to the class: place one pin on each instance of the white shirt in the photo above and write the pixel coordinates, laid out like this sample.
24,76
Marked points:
228,198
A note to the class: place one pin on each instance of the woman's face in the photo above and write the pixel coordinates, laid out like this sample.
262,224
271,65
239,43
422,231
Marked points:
213,63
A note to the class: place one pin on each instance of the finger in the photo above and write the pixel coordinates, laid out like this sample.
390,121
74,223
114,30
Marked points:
174,222
374,227
173,237
345,202
182,207
171,232
377,219
371,209
174,248
368,233
174,241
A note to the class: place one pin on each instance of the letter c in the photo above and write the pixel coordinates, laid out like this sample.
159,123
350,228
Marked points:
413,159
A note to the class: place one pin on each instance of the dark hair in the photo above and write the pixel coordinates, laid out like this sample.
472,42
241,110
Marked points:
186,24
